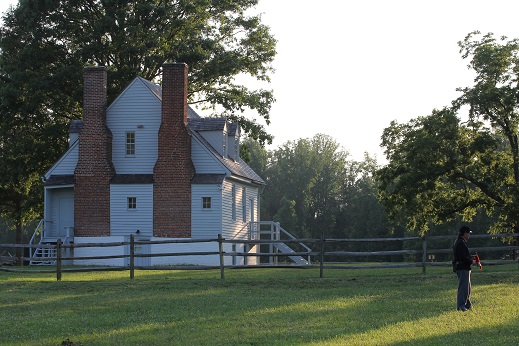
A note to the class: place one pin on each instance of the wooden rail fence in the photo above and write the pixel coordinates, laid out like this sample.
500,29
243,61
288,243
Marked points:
320,254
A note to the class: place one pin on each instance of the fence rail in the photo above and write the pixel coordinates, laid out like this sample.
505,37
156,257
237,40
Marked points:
320,253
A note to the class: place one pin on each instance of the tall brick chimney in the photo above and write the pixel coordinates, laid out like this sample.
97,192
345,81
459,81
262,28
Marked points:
174,169
94,168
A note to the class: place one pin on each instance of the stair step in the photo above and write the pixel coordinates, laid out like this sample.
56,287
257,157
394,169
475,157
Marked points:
284,248
42,254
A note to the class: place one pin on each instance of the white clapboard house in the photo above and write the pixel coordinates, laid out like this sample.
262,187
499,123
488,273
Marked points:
148,165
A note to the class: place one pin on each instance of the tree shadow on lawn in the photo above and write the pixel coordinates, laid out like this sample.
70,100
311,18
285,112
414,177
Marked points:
501,335
221,312
194,310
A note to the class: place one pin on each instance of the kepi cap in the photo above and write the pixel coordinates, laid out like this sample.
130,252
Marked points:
465,229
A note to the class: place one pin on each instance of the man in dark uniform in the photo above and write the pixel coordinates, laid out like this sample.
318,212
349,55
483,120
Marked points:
462,264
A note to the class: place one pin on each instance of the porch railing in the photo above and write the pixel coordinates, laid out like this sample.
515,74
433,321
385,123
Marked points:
273,231
37,236
40,252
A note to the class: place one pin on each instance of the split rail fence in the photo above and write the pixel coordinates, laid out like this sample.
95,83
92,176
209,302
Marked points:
319,253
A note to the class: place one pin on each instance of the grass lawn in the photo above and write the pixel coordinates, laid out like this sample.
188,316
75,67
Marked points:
259,307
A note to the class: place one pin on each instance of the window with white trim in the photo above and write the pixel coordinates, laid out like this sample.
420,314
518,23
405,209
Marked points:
130,143
132,203
206,202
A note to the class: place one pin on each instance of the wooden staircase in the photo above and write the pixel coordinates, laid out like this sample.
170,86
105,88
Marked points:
45,254
43,249
269,230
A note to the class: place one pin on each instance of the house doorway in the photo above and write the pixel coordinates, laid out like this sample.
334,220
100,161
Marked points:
66,216
64,222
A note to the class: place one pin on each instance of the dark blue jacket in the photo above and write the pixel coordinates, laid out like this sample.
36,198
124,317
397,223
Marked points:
462,257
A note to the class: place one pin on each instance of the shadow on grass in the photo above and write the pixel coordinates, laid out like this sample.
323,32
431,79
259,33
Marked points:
268,308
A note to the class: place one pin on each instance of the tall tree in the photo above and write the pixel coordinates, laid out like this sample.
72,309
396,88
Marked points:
307,175
256,156
440,167
286,214
362,215
134,38
44,46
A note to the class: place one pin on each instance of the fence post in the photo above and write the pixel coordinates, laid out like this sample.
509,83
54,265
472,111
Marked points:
132,256
424,257
246,249
220,250
321,257
58,260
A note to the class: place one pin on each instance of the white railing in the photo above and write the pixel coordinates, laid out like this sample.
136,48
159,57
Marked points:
69,237
37,236
275,232
38,251
244,232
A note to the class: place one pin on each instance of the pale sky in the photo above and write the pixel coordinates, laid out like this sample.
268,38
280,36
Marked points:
348,68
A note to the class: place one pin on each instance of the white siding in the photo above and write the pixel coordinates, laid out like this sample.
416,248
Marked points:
251,195
67,163
152,249
137,109
204,161
124,221
212,260
100,251
233,147
232,227
215,138
206,223
72,138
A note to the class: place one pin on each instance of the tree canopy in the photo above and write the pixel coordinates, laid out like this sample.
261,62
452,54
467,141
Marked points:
314,189
441,167
44,46
309,172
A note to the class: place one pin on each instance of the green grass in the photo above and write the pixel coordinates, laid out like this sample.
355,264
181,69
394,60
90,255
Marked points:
259,307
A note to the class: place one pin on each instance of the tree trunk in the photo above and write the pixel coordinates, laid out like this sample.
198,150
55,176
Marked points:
19,232
515,155
19,250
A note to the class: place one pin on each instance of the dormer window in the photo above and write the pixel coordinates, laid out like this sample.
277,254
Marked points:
130,143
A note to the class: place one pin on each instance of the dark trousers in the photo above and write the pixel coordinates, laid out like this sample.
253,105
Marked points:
464,285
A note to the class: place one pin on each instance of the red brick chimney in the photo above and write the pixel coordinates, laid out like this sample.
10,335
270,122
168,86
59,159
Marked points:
174,169
94,168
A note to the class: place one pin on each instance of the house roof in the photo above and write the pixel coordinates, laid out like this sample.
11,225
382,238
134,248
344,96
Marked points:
191,114
196,124
207,124
132,179
75,126
239,169
208,179
154,88
66,179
